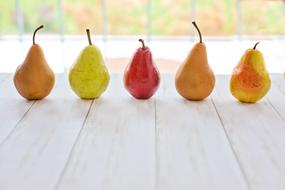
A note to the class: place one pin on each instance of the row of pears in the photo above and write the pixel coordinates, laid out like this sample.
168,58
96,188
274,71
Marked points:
194,80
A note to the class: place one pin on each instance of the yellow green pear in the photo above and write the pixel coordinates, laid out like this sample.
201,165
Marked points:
89,77
34,79
195,79
250,80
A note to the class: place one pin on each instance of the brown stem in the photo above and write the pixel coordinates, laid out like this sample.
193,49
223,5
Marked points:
89,37
254,47
197,28
141,40
34,35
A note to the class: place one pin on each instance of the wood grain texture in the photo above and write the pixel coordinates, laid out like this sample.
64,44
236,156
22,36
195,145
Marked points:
192,149
276,95
12,106
119,143
256,132
34,155
116,148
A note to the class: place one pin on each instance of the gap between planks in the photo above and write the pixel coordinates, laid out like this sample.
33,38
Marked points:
8,92
255,132
73,146
232,148
192,149
44,136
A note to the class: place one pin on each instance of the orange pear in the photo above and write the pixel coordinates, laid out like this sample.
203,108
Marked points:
34,79
195,79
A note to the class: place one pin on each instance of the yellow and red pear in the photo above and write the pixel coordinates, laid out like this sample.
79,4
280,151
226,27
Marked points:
34,79
250,80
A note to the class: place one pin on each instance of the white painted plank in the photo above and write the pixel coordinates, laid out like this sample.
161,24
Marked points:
256,133
276,95
34,155
12,106
116,148
193,151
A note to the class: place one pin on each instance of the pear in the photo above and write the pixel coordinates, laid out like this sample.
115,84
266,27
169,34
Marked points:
34,79
250,80
141,77
89,77
195,79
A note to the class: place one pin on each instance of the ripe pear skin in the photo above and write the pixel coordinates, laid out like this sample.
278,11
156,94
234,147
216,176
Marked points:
195,79
89,77
250,80
34,79
141,76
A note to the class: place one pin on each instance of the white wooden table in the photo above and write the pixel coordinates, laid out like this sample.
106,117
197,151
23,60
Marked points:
119,143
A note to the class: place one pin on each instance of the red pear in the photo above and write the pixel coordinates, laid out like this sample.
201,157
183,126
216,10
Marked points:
141,76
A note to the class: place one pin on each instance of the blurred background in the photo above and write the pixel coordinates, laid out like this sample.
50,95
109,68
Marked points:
229,28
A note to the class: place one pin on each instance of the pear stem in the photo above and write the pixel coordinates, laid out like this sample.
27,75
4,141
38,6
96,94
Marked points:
143,45
199,32
34,35
254,47
89,37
